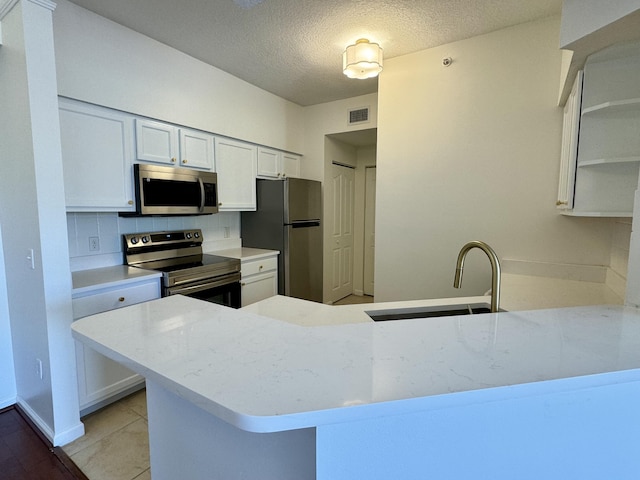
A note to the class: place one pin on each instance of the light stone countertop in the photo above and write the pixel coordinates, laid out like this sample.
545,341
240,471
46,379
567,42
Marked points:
263,375
85,281
311,314
245,253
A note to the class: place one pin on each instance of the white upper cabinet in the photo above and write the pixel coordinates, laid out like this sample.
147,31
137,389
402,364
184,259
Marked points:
160,142
156,142
569,152
236,166
276,164
97,152
196,149
609,141
290,165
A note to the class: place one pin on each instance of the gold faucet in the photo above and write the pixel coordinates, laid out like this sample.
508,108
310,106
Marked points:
495,270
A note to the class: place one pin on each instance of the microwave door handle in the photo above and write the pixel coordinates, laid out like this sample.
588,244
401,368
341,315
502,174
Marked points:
201,195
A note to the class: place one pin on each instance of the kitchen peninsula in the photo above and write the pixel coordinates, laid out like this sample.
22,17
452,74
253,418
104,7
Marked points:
324,392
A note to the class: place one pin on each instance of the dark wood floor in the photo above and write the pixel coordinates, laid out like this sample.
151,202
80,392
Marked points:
26,454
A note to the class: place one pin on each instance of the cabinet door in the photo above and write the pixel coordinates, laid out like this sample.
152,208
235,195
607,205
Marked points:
97,152
290,165
196,149
569,152
156,142
258,287
236,165
268,163
100,379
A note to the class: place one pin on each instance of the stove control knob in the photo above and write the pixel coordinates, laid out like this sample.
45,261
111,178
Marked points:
197,235
134,240
189,235
145,239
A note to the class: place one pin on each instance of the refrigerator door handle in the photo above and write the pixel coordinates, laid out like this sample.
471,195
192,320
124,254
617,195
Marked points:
305,224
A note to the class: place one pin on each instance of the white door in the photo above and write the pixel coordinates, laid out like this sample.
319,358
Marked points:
343,183
369,228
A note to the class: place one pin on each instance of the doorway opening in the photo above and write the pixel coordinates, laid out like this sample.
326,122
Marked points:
350,160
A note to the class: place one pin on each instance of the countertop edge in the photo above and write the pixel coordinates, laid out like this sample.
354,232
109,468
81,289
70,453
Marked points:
348,413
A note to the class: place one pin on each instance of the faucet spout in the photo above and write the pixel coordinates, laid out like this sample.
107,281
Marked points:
495,270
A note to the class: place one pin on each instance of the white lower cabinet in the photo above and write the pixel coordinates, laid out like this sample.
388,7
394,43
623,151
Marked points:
101,380
259,279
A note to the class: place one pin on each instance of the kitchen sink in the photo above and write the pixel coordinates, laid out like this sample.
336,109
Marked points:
426,312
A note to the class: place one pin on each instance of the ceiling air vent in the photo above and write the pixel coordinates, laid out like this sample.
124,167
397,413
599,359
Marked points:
358,115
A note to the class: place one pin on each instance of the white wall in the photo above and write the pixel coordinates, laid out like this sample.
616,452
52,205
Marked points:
470,152
7,372
32,200
583,17
101,62
329,118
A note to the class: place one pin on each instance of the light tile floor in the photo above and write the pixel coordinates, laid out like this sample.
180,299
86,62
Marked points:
116,442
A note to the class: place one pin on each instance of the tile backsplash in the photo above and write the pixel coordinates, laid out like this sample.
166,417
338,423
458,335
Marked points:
95,239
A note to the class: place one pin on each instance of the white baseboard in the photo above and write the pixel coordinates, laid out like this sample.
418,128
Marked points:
8,401
56,438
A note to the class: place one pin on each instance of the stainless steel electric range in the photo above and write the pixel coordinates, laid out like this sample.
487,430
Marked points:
185,269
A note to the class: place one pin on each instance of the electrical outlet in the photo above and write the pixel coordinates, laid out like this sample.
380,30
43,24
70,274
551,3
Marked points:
31,258
39,368
94,244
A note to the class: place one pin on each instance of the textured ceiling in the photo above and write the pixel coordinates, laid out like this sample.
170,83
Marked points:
293,48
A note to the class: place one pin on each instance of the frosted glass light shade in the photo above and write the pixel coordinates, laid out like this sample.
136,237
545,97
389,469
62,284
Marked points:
362,59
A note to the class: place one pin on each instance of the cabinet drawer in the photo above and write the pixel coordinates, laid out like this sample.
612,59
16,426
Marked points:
259,266
115,298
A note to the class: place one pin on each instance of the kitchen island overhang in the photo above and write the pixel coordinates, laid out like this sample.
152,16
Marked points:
259,374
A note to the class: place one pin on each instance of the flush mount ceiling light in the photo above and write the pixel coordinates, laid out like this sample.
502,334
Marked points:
362,59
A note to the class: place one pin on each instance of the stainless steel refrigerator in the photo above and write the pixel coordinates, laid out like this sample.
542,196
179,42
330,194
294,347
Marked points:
288,219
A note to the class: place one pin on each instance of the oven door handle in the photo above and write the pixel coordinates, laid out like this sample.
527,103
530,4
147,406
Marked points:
178,280
219,282
202,197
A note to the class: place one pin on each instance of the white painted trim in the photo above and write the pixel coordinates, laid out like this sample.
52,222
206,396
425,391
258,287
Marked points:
56,438
45,3
584,273
69,435
35,418
8,401
8,5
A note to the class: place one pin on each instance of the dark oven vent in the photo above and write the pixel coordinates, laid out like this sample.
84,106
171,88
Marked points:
359,115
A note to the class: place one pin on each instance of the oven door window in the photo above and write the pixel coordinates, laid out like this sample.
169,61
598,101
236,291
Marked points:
227,294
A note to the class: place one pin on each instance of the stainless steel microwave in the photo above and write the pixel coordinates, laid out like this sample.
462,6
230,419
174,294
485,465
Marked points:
174,191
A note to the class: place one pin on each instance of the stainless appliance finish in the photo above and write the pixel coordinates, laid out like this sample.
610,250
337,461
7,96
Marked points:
185,269
288,220
163,190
